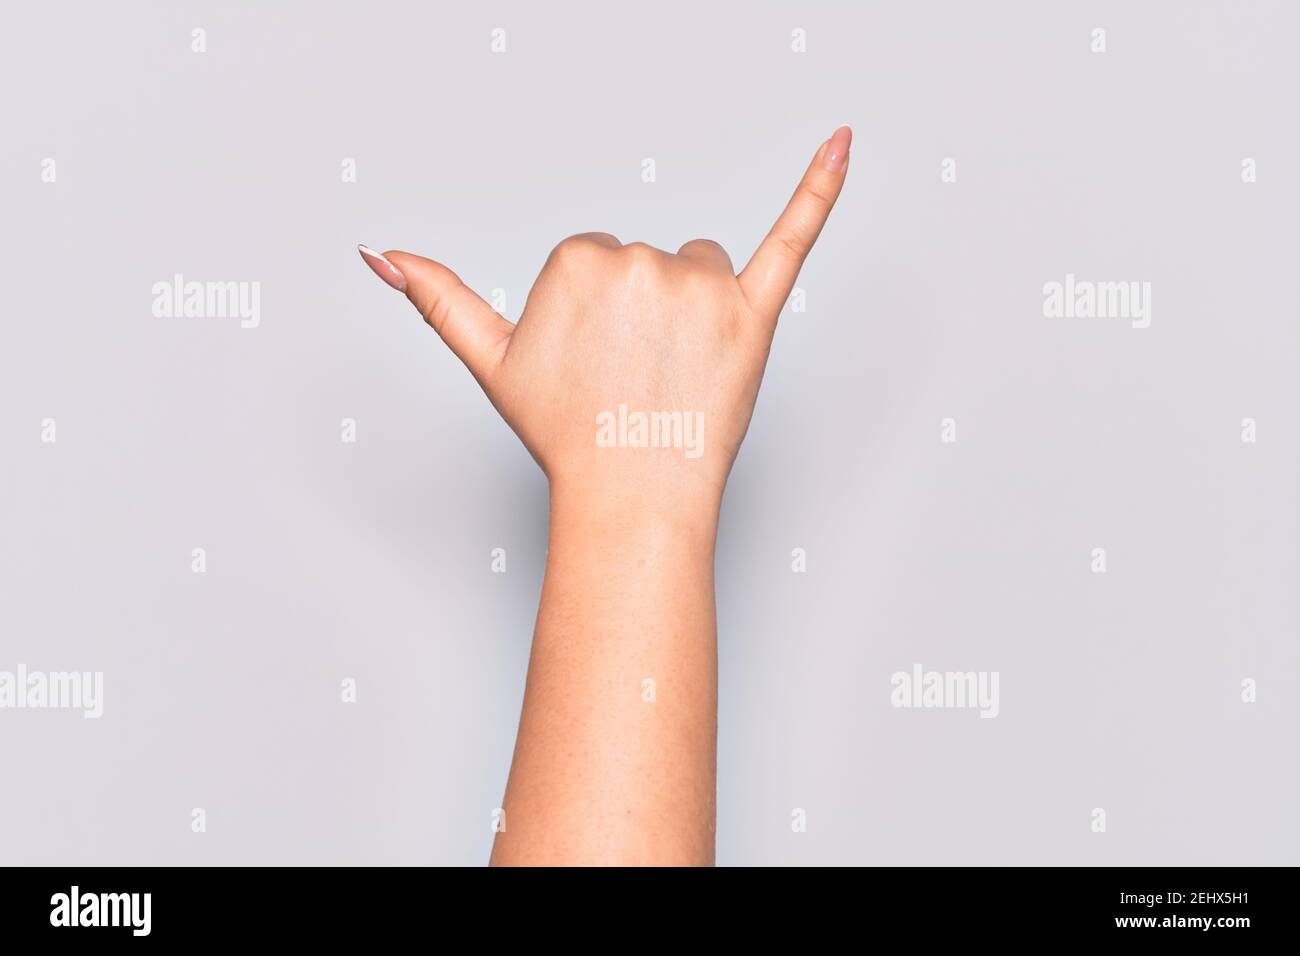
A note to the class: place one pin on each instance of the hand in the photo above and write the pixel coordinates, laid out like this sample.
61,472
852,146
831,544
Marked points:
614,332
631,377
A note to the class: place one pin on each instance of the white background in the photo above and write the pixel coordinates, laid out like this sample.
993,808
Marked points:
371,560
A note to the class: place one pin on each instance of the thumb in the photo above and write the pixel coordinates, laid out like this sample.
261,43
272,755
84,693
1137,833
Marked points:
472,330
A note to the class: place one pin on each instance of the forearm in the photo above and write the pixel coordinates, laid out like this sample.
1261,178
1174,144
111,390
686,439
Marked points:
615,761
616,756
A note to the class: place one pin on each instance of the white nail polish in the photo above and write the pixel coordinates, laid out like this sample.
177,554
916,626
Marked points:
393,276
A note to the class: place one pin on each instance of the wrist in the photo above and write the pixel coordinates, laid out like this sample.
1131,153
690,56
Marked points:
685,521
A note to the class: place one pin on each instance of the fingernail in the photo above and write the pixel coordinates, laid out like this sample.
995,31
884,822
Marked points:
383,268
837,150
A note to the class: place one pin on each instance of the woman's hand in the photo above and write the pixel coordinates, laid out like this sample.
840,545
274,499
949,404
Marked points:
626,345
631,377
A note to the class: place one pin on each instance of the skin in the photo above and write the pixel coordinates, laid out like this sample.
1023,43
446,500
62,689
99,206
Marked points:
601,775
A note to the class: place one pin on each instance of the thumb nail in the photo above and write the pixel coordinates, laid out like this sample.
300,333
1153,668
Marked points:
383,268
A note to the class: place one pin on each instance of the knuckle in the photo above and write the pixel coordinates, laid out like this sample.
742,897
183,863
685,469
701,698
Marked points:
440,301
571,253
792,245
818,194
436,312
706,246
567,248
640,258
579,250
